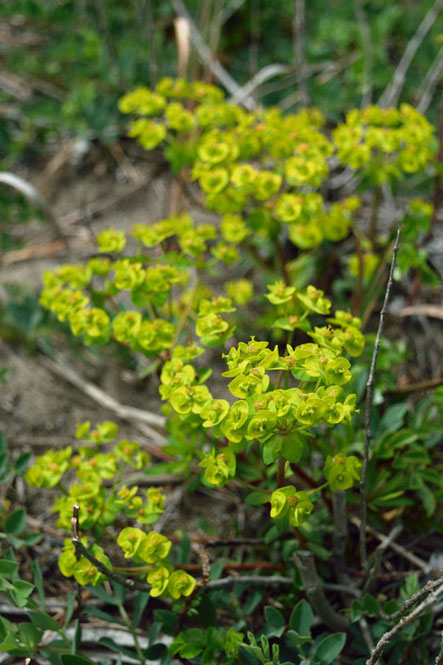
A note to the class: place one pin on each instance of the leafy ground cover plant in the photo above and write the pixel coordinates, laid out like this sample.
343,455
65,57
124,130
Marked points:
280,426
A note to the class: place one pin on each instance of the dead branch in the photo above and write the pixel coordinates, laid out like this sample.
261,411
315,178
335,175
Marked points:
33,196
421,593
431,80
368,51
207,57
369,391
249,579
298,31
128,413
399,549
81,550
392,92
387,638
256,81
304,560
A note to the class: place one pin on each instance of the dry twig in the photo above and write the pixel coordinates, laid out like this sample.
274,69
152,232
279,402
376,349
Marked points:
206,56
369,390
298,31
410,602
128,413
249,579
431,80
387,638
81,550
399,549
33,195
392,92
312,584
368,51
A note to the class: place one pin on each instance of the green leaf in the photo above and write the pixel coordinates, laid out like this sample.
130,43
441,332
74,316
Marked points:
76,642
15,523
3,443
69,608
22,462
292,448
257,498
252,602
8,568
41,619
356,610
30,634
370,605
275,622
301,618
328,648
111,644
156,651
21,592
428,498
271,450
101,614
392,419
167,619
74,659
140,601
38,581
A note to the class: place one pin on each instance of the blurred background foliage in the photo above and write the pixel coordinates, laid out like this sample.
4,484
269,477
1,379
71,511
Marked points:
64,63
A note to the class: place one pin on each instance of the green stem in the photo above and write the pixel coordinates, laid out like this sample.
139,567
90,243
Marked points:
131,629
281,470
317,489
60,487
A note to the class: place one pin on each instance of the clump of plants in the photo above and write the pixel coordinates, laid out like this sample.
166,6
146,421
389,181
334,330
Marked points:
284,431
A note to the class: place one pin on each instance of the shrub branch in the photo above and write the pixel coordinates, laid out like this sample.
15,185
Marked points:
369,392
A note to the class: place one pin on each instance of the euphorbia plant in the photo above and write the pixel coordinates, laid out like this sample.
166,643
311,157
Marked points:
288,388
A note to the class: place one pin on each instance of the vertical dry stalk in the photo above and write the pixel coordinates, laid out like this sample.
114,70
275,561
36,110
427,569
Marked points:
150,29
368,51
392,92
183,39
299,50
304,560
367,426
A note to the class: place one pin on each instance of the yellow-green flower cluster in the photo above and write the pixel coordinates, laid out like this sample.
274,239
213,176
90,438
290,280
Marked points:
279,419
385,143
81,569
152,549
287,502
91,468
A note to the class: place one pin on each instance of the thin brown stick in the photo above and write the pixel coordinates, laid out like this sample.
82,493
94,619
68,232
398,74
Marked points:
299,50
367,426
129,413
431,80
421,593
249,579
420,386
304,560
206,56
81,550
387,638
399,549
375,560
